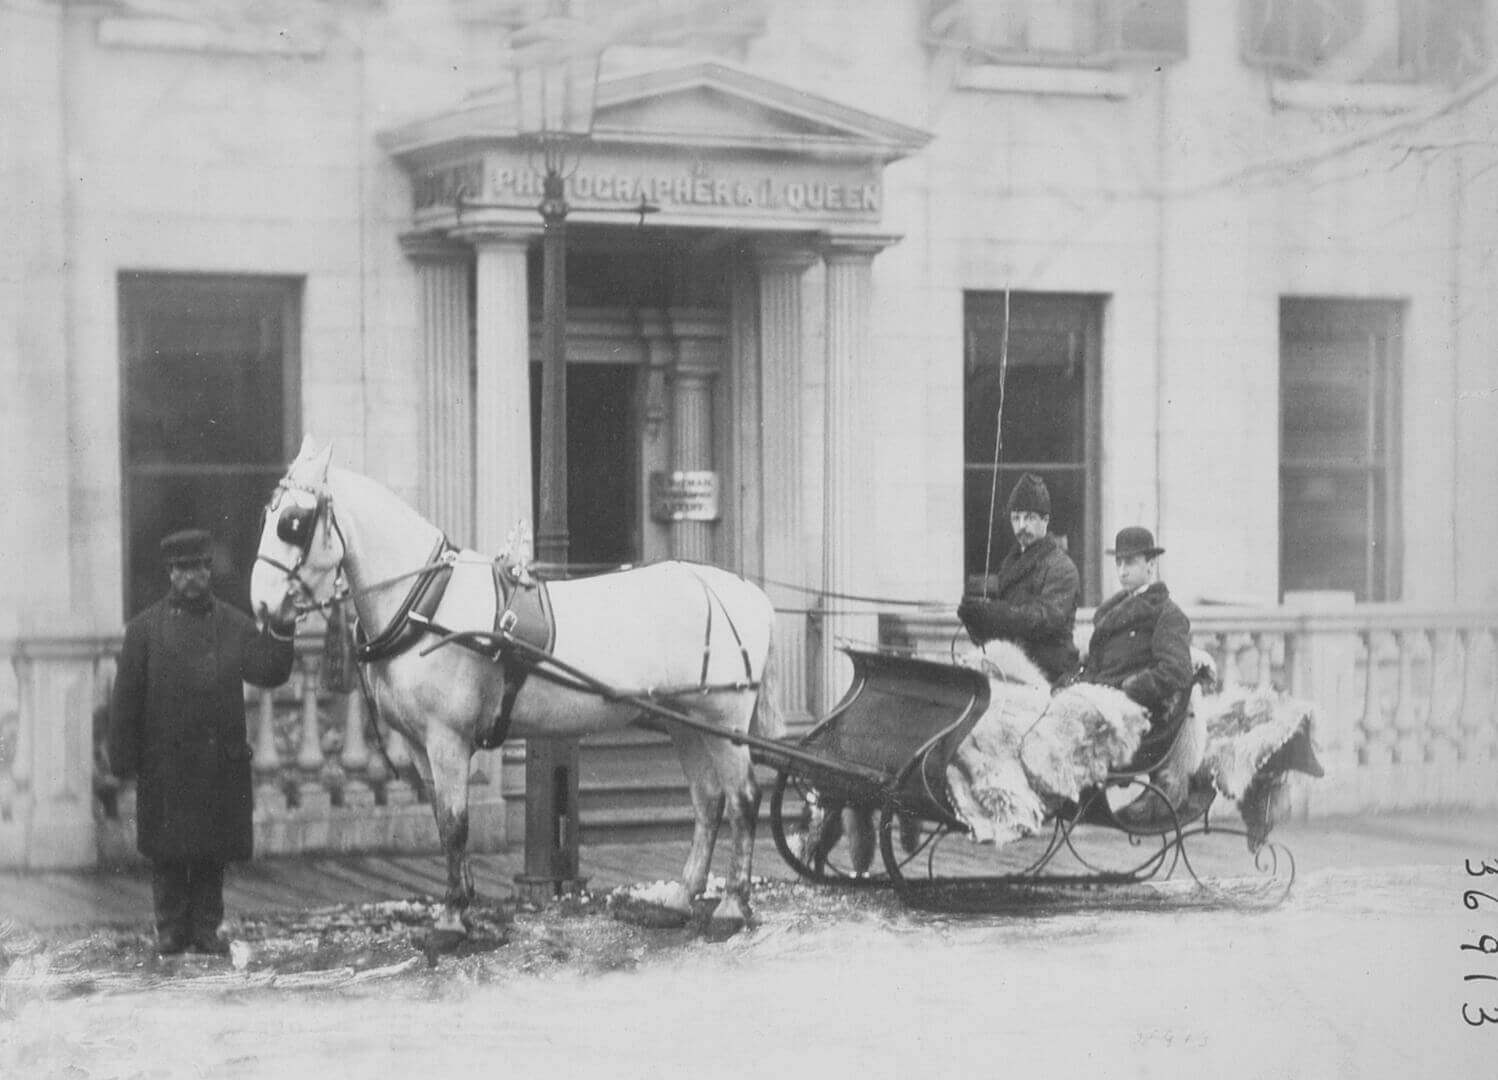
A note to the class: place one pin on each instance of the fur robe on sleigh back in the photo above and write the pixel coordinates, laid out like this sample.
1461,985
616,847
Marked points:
1032,751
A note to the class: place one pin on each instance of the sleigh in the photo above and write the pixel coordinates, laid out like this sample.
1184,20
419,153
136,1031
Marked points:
684,645
875,773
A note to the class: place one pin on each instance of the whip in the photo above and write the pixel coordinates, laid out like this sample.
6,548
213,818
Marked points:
998,444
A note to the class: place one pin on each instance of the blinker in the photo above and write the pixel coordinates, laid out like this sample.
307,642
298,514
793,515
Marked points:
296,526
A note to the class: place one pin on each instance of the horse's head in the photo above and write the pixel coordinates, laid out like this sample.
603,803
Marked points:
301,546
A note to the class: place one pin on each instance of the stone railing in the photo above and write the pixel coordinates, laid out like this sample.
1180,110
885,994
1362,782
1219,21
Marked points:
1406,699
325,779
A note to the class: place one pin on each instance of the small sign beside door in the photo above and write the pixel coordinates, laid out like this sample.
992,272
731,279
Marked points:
685,495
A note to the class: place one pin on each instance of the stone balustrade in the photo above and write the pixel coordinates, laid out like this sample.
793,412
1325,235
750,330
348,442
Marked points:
1406,700
325,778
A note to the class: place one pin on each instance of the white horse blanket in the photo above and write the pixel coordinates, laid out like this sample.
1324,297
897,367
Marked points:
1032,751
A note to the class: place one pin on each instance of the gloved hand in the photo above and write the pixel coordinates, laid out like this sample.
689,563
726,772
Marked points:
1139,688
977,616
281,631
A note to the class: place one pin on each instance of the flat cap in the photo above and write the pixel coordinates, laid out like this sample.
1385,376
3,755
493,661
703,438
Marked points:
187,546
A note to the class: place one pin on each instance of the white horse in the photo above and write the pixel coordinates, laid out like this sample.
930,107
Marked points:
695,638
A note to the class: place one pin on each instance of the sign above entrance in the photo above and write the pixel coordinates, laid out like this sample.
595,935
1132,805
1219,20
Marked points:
685,186
704,144
684,495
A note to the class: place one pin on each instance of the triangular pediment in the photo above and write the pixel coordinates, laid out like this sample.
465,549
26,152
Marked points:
709,111
704,103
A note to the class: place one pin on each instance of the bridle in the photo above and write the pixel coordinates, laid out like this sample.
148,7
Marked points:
297,526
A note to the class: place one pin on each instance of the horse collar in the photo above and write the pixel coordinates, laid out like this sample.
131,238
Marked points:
415,613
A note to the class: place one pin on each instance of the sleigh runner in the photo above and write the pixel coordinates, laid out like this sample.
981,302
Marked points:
911,722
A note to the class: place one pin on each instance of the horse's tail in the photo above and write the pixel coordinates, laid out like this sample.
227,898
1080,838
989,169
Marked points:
768,720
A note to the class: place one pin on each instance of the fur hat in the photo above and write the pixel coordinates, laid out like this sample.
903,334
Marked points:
187,546
1135,540
1030,495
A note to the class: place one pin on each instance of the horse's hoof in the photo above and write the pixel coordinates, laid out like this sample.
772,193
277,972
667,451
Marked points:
649,916
439,942
722,929
661,906
726,920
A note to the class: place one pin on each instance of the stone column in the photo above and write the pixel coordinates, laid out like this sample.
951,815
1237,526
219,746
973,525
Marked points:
442,270
782,473
848,540
502,395
692,386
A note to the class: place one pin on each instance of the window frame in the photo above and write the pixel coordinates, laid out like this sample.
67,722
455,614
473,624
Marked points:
1380,322
138,292
1088,312
1414,61
1105,17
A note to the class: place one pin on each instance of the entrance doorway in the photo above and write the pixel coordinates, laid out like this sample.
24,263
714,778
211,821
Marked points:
603,518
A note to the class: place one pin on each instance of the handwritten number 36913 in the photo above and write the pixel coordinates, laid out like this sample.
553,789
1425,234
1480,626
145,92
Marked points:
1487,943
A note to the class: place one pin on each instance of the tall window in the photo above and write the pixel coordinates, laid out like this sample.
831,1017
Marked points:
1050,420
1366,40
1092,32
1339,439
209,384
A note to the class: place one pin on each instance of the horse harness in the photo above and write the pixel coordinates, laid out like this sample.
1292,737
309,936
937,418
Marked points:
522,613
523,634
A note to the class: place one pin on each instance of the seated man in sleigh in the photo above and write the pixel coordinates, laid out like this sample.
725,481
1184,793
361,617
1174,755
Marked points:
1032,599
1042,743
1141,644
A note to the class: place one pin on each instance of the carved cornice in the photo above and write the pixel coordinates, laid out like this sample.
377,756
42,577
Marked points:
854,246
434,247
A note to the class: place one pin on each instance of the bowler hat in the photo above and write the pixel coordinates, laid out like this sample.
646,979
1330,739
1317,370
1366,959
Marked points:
1135,540
187,546
1030,496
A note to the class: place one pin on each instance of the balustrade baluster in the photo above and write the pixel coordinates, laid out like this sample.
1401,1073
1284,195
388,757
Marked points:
313,796
1467,695
1264,658
12,809
1232,660
1447,684
1407,720
22,798
1441,742
1479,724
1490,741
355,757
1375,748
270,797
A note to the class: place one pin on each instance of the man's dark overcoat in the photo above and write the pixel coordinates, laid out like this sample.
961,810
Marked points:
177,723
1036,592
1141,644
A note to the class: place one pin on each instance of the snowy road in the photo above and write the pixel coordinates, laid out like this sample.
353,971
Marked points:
1359,974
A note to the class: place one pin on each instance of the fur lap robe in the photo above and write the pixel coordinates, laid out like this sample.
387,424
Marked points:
1255,739
1023,760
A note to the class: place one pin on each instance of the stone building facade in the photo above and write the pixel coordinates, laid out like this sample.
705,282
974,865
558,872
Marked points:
1234,268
